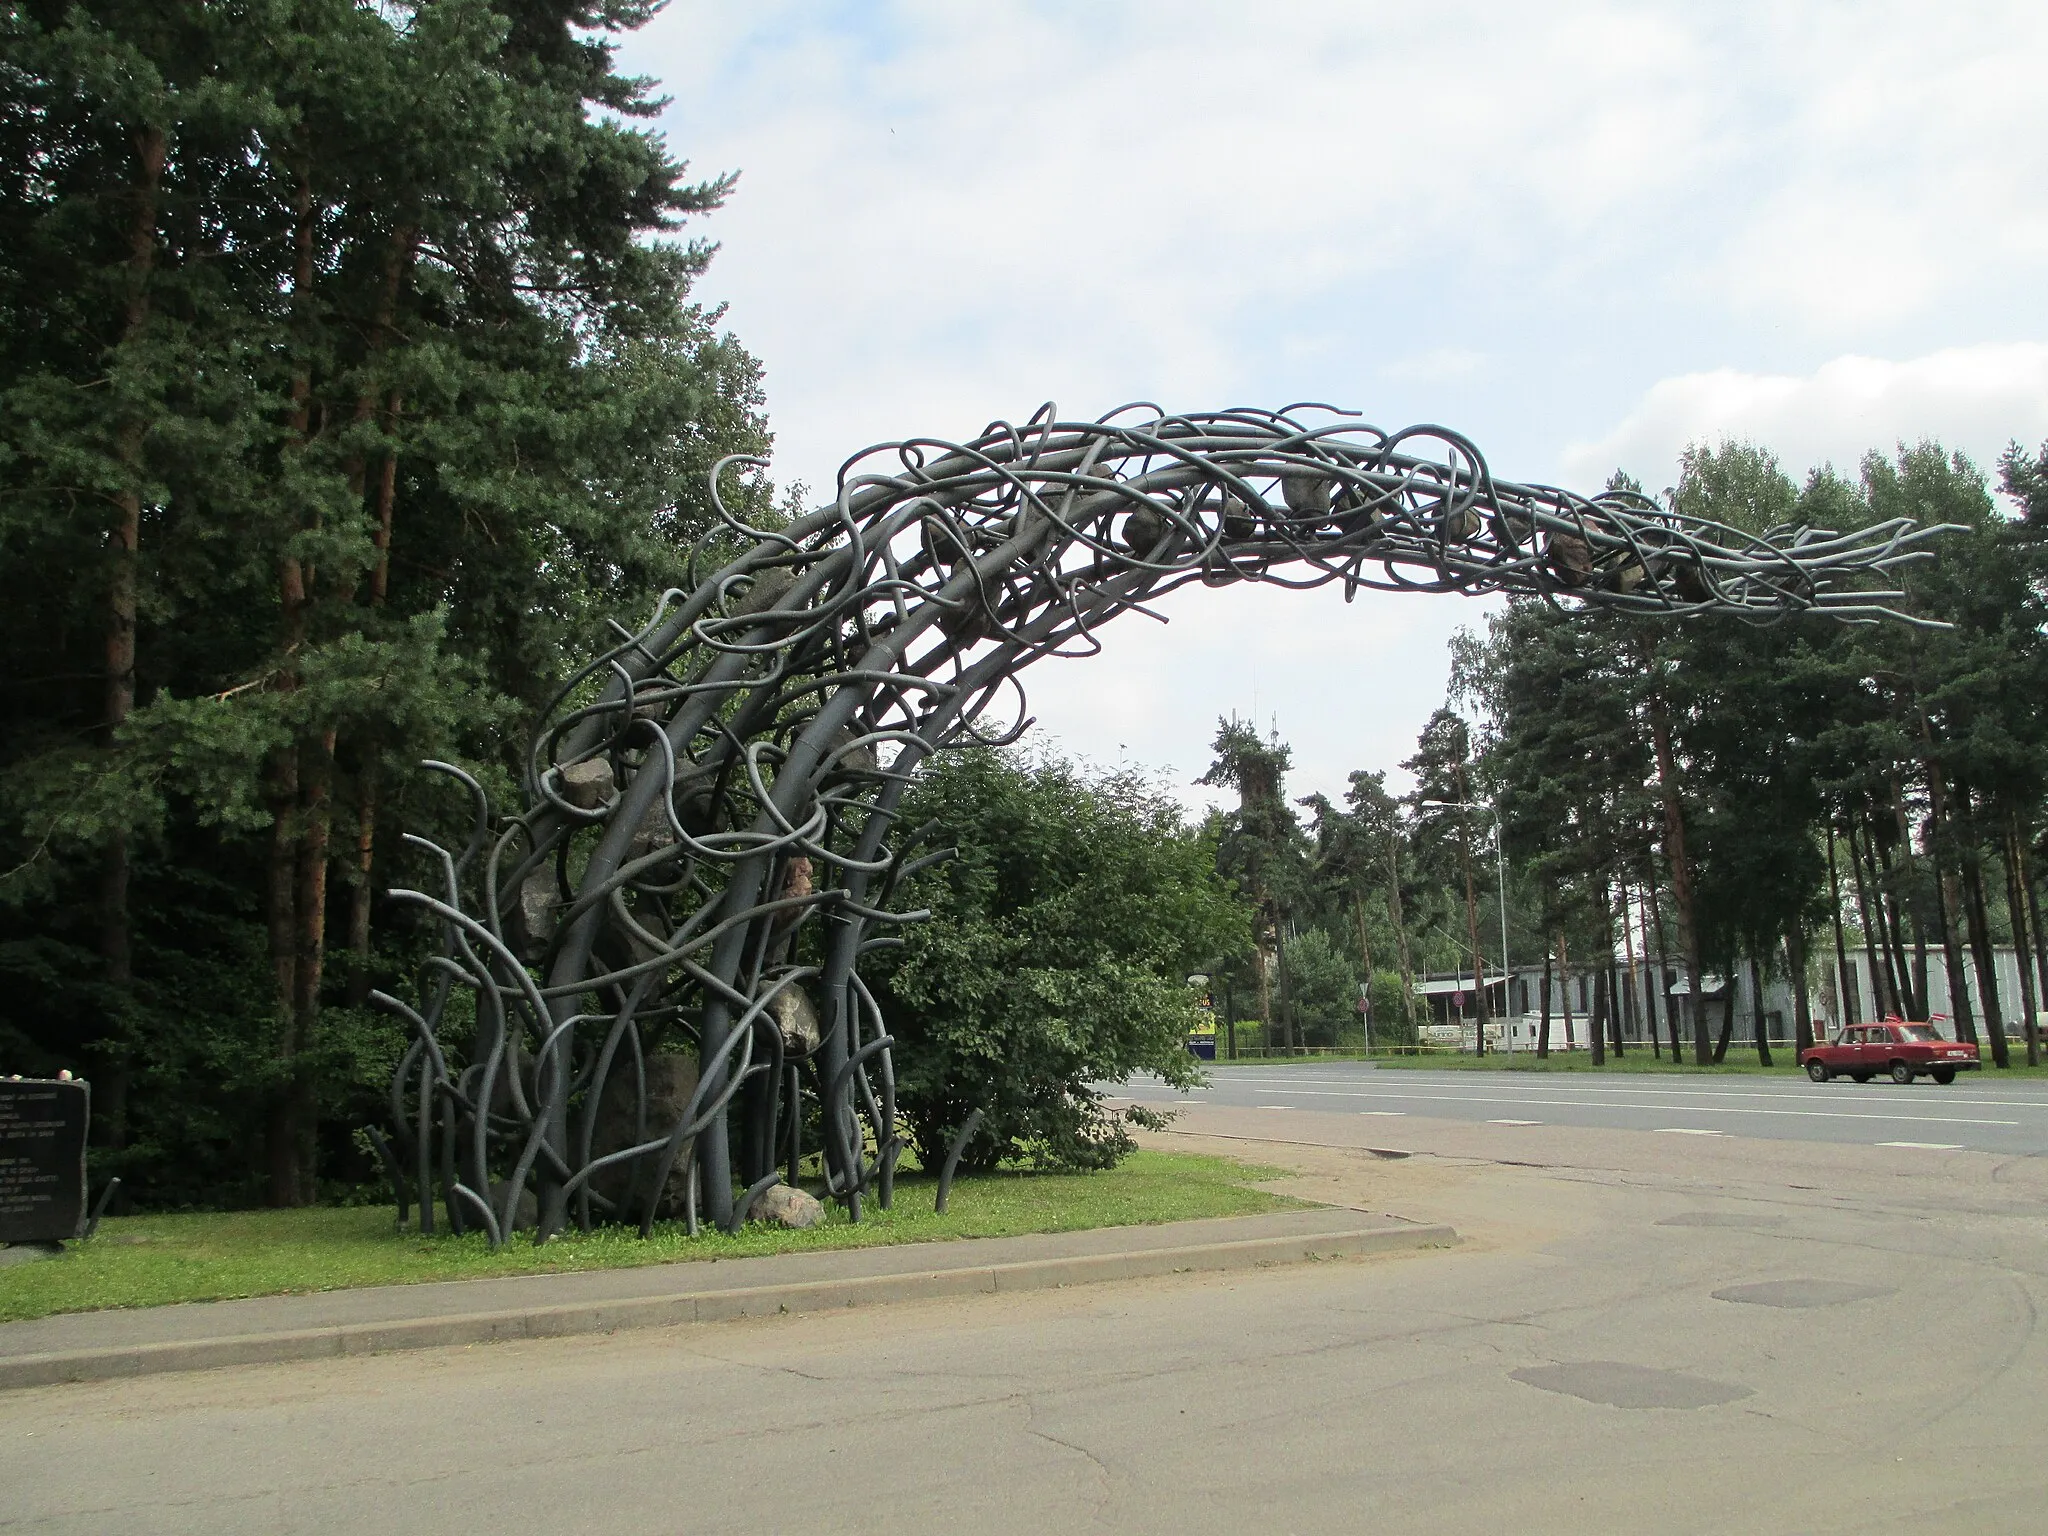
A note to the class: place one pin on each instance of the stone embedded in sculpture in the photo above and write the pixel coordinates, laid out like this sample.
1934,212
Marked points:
709,840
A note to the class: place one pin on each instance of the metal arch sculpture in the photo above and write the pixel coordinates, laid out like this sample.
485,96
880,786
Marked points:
706,849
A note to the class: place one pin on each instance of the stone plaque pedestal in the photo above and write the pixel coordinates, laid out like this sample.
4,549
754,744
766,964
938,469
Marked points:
42,1159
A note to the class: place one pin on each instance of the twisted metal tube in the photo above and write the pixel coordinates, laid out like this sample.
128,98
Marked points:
711,811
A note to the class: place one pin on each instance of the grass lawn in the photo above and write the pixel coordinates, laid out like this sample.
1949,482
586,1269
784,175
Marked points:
1580,1061
143,1261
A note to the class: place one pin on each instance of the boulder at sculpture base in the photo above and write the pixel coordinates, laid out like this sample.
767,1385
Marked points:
671,1079
786,1207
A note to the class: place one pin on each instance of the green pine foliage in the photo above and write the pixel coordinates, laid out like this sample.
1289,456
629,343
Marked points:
349,378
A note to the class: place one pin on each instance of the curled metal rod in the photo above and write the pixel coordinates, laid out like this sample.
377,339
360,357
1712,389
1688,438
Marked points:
952,1163
708,843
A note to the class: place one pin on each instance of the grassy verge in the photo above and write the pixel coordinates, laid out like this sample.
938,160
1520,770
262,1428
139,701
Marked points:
1579,1061
1634,1062
143,1261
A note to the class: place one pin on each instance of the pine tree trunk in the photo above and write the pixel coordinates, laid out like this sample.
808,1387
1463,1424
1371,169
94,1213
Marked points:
1763,1032
1979,925
1287,1019
116,939
1950,902
292,830
362,875
1681,870
1564,971
399,254
2015,904
2034,921
1897,894
1802,1005
1614,992
1596,1026
1842,976
387,493
281,913
1917,999
1888,903
317,763
1543,1022
1727,1016
369,776
1960,1008
1261,965
1663,965
1628,946
1880,976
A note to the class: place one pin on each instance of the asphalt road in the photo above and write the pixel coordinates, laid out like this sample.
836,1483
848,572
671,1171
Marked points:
1640,1334
1976,1112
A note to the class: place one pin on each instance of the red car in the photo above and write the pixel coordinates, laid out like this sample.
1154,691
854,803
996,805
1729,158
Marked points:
1905,1050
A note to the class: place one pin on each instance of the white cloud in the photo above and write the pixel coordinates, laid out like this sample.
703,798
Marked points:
1437,364
1511,218
984,206
1976,399
1887,162
1348,685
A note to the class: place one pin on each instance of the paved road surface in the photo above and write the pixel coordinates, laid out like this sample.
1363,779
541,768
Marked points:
1640,1333
1977,1111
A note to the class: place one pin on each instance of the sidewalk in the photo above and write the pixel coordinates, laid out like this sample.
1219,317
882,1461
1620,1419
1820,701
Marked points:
93,1346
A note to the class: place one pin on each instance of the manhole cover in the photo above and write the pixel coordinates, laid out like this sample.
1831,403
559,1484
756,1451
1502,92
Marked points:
1628,1386
1801,1293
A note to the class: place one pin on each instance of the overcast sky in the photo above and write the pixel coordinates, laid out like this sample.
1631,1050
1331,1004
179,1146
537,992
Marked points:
1584,235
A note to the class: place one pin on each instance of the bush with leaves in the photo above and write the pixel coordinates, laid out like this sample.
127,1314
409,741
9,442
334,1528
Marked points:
1056,956
1322,985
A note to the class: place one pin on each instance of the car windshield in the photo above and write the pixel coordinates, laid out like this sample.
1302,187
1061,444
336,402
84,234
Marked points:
1920,1032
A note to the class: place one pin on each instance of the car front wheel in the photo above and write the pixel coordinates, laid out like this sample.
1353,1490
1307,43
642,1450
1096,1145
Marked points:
1818,1071
1901,1073
1944,1075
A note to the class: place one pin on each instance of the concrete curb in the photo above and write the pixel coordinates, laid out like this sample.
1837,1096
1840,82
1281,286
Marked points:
701,1306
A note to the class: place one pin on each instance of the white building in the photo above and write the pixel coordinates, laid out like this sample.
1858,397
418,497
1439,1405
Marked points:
1515,1002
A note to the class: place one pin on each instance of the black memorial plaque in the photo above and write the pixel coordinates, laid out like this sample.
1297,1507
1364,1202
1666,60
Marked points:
42,1159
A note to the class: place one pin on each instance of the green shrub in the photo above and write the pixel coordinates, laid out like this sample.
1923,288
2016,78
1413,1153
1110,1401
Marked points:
1056,956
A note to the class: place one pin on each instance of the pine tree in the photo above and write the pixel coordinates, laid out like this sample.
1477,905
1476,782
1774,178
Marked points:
350,378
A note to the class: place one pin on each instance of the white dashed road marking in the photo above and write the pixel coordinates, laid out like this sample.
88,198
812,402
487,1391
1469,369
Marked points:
1688,1109
1925,1146
1514,1122
1686,1130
